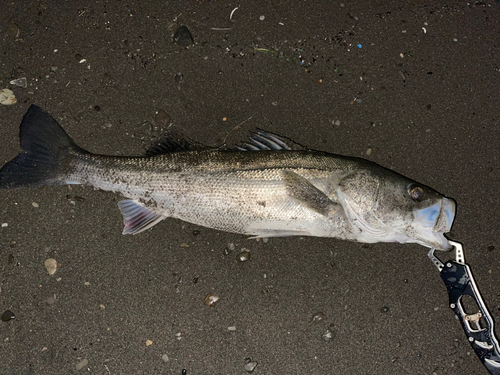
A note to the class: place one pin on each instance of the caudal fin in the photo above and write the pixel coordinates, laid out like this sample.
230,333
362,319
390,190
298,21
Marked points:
46,149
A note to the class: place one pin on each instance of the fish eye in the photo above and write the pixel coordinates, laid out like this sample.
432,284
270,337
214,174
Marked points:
416,192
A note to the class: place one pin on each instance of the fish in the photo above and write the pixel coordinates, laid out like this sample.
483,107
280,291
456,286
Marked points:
262,188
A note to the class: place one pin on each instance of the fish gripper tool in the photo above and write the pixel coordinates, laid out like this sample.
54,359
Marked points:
478,325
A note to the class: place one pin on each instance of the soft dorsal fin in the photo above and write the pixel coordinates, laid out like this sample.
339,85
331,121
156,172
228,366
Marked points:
173,141
261,140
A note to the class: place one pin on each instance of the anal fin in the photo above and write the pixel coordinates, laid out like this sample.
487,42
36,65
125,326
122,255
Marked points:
136,217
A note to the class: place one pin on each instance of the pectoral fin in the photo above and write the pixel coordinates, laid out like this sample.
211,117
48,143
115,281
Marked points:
136,217
308,194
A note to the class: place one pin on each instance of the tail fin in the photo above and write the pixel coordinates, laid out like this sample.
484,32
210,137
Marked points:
46,149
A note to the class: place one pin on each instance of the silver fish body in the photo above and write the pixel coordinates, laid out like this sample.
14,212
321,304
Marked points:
270,192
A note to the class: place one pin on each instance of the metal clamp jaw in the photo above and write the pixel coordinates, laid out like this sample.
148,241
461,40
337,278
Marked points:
478,326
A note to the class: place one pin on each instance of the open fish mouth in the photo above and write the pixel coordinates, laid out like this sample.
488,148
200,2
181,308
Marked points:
437,220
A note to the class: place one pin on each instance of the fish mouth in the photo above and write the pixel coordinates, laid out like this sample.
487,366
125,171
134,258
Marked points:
437,220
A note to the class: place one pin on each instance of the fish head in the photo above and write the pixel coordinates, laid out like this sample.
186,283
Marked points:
387,207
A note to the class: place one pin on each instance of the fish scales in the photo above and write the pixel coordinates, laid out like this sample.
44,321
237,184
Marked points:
225,190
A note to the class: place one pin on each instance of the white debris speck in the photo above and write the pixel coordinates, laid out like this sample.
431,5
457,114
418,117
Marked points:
424,30
368,152
34,204
82,61
211,299
401,55
86,283
21,82
262,18
231,328
337,122
328,335
232,12
5,225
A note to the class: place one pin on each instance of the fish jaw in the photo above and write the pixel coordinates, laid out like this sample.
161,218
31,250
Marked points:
433,222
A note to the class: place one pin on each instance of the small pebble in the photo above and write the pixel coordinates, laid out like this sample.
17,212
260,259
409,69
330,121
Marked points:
149,342
7,316
80,365
51,266
250,366
182,37
327,336
265,240
337,122
13,31
179,77
162,118
231,328
211,299
51,300
368,152
230,246
165,358
7,97
5,225
318,317
243,256
262,18
34,204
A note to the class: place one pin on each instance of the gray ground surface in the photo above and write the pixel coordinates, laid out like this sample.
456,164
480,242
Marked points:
422,93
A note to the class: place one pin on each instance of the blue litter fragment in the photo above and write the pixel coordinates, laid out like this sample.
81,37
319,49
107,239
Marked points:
359,45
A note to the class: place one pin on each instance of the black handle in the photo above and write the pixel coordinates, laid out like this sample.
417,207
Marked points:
479,327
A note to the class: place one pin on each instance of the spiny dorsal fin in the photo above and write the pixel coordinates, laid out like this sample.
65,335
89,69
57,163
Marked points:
173,142
262,140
